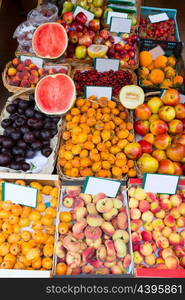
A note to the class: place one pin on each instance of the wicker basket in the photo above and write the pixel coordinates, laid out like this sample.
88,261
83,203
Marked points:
76,179
23,91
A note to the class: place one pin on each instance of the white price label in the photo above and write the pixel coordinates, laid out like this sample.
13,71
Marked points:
98,91
115,14
120,25
159,18
161,184
106,64
157,51
95,185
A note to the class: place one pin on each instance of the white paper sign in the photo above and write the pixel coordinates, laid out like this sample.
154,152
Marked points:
159,183
35,60
182,98
159,18
94,185
19,194
98,91
57,68
157,51
89,15
115,14
5,273
106,64
120,25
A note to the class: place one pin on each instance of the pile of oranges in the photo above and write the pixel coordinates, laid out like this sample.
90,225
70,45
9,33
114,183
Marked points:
160,72
27,234
96,133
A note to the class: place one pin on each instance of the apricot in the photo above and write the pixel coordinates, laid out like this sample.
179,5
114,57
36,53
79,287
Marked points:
46,220
47,189
12,71
24,222
26,211
41,207
26,235
10,257
19,265
4,249
15,248
35,215
61,269
51,212
37,263
16,228
13,238
7,205
33,254
48,250
50,229
7,227
36,185
47,263
6,265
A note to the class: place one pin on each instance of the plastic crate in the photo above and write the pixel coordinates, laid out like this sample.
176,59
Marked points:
171,48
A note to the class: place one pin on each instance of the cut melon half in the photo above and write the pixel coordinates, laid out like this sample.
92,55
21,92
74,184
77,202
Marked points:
55,94
97,50
49,40
131,96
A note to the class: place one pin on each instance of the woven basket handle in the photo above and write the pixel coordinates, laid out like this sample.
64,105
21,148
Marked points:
27,90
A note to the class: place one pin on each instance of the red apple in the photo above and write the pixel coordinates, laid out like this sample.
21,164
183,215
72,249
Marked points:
167,113
162,141
133,150
159,154
178,169
81,18
73,37
166,166
94,25
105,34
146,147
143,112
171,97
175,126
158,127
176,152
85,40
180,139
68,17
141,127
180,111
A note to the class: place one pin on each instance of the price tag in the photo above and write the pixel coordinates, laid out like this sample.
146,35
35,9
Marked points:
95,185
157,51
89,15
106,64
18,194
115,14
35,60
161,184
158,18
98,91
120,25
182,98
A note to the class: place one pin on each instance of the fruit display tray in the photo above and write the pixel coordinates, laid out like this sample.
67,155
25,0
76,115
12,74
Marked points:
61,208
171,48
43,179
49,167
154,272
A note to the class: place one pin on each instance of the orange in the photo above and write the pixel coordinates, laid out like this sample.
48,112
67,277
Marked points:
116,171
130,163
35,215
125,169
132,173
20,182
47,189
129,125
145,58
160,61
171,61
169,72
61,269
123,115
178,80
48,250
65,216
47,263
50,211
156,76
36,185
26,235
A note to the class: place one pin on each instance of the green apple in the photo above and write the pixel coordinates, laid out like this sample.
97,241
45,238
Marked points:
98,3
80,52
134,20
68,6
98,12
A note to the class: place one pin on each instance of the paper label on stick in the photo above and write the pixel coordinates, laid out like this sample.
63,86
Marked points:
120,25
158,18
35,60
115,14
89,15
19,194
95,185
157,51
98,91
160,183
106,64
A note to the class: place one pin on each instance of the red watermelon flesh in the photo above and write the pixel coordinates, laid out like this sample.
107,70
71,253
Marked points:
50,40
55,94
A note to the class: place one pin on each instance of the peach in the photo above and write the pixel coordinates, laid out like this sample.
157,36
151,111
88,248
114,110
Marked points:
150,259
60,251
114,222
175,213
156,234
25,83
161,266
26,74
131,192
179,251
135,214
169,221
14,82
127,261
87,269
136,237
176,200
166,231
182,234
19,76
109,264
160,214
174,238
155,207
150,197
121,234
68,202
79,226
101,253
171,262
76,271
182,261
182,209
111,252
146,249
73,191
146,235
78,236
116,270
15,61
83,246
159,260
135,224
117,203
41,71
32,66
158,224
135,246
166,204
133,203
107,228
73,259
35,73
121,249
78,202
140,194
71,243
104,205
153,244
122,220
92,233
20,67
162,242
144,205
94,220
102,271
180,222
86,198
88,254
33,79
27,62
94,243
110,214
120,264
96,263
91,208
148,226
98,197
138,258
81,212
147,216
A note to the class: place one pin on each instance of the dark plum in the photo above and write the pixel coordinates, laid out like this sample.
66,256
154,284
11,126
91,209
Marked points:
53,132
11,108
37,145
46,151
47,125
8,131
19,159
53,126
55,119
16,101
38,115
31,98
14,117
29,112
7,142
35,123
21,144
15,166
4,159
1,139
20,122
24,129
23,104
30,153
6,123
18,151
45,135
29,137
37,134
16,135
45,144
25,166
7,151
20,111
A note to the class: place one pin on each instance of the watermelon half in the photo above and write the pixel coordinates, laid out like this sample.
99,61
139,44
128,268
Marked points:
50,40
55,94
